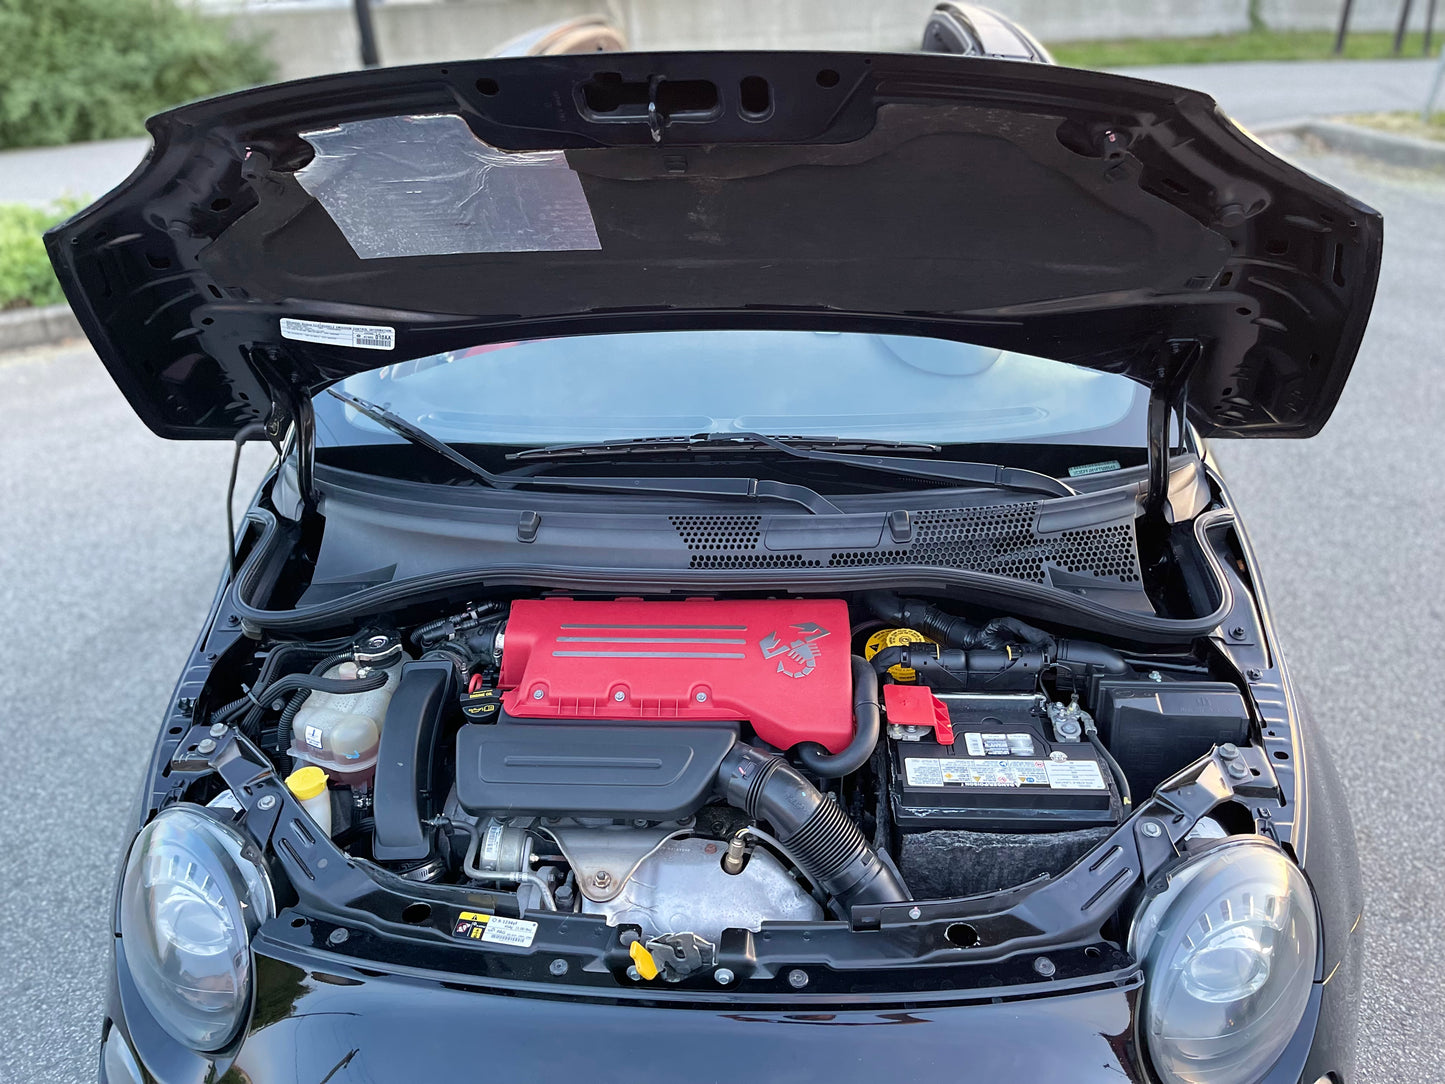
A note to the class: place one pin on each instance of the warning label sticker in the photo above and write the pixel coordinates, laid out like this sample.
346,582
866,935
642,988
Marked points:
496,929
360,336
1074,775
1058,775
999,745
492,846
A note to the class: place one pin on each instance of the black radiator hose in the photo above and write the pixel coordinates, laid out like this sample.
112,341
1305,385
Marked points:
867,725
818,835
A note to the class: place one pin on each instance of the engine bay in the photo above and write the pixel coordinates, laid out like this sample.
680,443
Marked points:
686,768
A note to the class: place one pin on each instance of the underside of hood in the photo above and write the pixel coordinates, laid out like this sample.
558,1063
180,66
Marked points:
280,239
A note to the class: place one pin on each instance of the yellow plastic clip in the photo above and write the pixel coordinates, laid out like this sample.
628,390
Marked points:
646,965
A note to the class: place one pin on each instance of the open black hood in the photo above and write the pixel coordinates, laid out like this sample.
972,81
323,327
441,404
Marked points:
277,240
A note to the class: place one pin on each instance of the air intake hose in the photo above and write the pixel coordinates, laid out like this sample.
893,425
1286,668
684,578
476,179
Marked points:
819,836
953,631
926,618
867,725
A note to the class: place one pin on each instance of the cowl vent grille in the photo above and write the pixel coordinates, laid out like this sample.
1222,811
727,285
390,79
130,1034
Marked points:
718,534
1000,539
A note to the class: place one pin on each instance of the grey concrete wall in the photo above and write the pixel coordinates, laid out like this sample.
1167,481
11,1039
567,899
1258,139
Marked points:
1316,15
311,42
315,41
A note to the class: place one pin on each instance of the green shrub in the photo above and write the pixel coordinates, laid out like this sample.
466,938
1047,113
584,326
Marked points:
25,275
74,70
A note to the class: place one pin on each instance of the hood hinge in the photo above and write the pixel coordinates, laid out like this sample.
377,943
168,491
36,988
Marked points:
303,422
1176,361
292,411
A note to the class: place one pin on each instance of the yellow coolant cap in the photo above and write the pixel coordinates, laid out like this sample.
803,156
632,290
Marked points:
306,782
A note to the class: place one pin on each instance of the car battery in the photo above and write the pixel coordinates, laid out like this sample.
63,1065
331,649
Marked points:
1001,771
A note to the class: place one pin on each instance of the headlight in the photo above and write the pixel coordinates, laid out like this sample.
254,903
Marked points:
194,892
1228,947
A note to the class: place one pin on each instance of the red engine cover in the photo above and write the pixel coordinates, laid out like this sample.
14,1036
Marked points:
781,666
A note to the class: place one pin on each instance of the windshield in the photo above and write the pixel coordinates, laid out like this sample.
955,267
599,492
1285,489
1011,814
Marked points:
796,383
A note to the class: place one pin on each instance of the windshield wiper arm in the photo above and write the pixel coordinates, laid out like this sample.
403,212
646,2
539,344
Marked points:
989,474
420,437
817,449
750,488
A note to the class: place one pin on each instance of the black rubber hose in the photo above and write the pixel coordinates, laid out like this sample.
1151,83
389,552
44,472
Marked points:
1010,630
867,725
888,657
283,687
1126,797
1077,659
288,714
924,617
221,714
824,841
272,662
444,628
1084,655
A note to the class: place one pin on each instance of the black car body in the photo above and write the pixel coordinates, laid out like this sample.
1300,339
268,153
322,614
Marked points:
538,248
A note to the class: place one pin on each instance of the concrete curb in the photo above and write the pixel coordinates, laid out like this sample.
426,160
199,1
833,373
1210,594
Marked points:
21,328
1396,150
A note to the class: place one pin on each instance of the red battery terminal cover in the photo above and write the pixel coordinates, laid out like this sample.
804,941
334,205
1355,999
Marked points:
915,705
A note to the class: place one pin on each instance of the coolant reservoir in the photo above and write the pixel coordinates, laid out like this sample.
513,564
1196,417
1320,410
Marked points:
341,732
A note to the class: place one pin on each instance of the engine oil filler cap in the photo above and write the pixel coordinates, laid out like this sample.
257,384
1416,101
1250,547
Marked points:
643,960
307,782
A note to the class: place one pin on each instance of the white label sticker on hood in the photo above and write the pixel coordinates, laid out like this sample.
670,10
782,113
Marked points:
360,336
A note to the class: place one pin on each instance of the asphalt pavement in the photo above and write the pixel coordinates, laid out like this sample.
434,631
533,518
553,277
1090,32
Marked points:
1265,92
111,542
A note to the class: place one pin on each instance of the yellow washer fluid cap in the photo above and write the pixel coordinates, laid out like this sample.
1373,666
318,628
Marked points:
646,965
895,638
306,782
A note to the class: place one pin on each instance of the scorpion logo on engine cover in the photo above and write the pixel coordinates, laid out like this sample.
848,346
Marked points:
800,657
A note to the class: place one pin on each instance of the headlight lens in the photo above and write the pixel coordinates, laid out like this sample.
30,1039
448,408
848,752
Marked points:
194,892
1228,946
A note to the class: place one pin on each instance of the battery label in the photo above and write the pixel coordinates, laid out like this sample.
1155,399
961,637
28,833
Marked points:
1057,775
1074,775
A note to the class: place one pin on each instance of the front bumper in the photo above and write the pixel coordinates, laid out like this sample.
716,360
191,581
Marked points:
317,1017
321,1019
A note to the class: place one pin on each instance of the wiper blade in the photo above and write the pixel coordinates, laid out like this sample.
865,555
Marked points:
720,442
824,450
748,488
419,436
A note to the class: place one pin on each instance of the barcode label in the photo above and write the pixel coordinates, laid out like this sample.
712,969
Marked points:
360,336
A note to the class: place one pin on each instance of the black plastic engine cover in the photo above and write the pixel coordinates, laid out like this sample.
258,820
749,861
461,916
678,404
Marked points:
589,768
